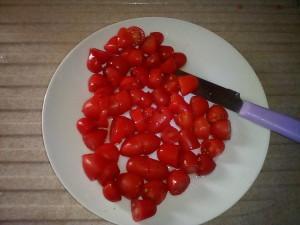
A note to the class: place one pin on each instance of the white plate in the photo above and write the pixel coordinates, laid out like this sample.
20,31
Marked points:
207,197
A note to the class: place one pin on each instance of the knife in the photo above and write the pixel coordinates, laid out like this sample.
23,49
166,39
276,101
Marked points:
277,122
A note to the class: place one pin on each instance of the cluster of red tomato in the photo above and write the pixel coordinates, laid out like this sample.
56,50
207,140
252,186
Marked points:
129,63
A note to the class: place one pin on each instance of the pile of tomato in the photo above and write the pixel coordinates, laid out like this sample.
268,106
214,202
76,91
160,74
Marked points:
130,64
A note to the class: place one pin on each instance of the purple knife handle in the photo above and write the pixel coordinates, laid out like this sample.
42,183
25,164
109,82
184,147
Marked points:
280,123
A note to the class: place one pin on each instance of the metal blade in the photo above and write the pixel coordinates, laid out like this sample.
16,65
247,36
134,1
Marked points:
217,94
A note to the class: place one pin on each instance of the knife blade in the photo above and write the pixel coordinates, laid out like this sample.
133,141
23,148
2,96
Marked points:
230,99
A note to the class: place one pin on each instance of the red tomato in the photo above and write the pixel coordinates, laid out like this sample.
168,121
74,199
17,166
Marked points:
172,85
128,83
159,120
111,192
121,127
149,112
124,38
102,121
201,128
105,91
113,76
159,37
215,113
138,117
180,59
178,181
148,168
156,78
94,139
199,105
221,129
120,64
93,165
96,59
111,46
188,84
212,147
108,151
86,125
141,74
140,144
185,119
189,162
135,57
150,45
188,140
177,104
170,135
161,97
169,66
206,164
165,51
153,60
137,34
169,154
91,108
142,209
141,98
155,190
96,81
119,103
130,185
109,173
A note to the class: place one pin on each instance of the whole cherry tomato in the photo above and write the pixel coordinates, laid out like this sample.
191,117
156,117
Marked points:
155,190
206,164
165,51
86,125
120,102
169,66
169,154
159,37
129,82
111,192
188,140
109,173
121,127
97,81
130,185
138,117
180,59
94,139
108,151
178,181
170,135
142,209
93,165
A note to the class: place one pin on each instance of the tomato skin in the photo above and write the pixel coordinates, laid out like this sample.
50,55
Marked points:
120,64
215,113
121,127
201,128
111,192
165,52
178,181
128,83
142,209
91,108
161,97
156,78
96,81
95,60
185,119
159,120
170,135
108,151
142,143
199,105
150,45
135,57
169,66
113,76
124,38
85,125
188,84
221,129
111,46
109,173
159,37
138,118
94,139
130,185
104,91
141,98
92,165
141,74
146,167
189,162
153,60
206,164
177,104
180,59
119,103
212,147
155,190
169,154
188,140
137,34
